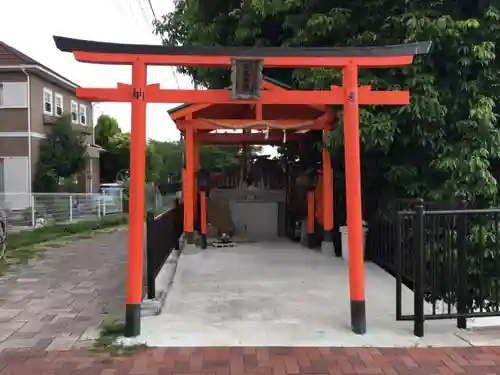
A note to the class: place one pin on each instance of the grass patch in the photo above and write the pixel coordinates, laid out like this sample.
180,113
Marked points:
58,231
108,343
54,245
24,254
19,257
29,244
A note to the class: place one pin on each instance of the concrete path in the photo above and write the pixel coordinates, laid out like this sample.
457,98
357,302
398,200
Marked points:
261,361
58,301
280,294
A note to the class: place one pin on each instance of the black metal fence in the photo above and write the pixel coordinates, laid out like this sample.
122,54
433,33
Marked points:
163,234
450,258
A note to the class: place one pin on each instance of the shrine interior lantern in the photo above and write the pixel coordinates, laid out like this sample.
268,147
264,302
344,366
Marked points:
246,78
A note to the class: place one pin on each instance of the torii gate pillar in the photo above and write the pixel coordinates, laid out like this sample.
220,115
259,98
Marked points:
353,197
136,205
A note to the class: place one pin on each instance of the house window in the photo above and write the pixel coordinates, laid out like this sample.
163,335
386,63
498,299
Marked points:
74,112
13,95
83,114
58,102
47,102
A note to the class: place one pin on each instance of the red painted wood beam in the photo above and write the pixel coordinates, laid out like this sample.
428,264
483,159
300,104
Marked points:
271,86
153,94
225,61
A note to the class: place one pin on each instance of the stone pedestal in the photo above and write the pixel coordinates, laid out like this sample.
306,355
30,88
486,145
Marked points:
303,234
328,248
190,248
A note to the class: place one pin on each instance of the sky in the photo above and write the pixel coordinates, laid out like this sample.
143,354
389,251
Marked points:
28,25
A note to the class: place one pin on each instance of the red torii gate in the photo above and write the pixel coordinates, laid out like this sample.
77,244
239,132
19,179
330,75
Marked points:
349,59
284,123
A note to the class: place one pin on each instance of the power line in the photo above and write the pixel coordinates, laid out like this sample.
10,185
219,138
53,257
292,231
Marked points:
142,10
152,10
146,19
175,77
127,15
123,12
131,11
120,9
174,73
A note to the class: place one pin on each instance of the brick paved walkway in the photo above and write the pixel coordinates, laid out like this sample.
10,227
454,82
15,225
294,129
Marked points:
260,361
58,301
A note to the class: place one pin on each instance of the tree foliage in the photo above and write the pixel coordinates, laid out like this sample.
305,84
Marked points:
62,156
116,157
106,128
444,142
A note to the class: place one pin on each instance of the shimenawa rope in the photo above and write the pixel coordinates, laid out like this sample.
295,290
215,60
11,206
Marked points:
260,123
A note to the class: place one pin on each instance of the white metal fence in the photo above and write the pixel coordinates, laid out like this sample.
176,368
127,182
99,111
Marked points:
26,211
40,209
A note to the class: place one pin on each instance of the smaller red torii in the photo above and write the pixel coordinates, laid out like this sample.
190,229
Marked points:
281,124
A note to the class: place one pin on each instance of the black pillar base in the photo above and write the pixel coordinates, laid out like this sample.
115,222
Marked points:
310,240
189,237
150,277
358,317
462,323
203,241
418,328
132,320
151,285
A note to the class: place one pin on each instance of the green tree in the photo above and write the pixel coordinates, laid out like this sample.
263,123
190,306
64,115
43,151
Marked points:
106,128
62,155
218,158
450,125
166,161
116,157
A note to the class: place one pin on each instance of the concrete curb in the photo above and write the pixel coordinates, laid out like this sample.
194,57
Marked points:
163,282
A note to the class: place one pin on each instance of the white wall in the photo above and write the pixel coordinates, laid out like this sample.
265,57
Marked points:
16,183
253,210
258,219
